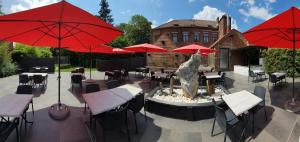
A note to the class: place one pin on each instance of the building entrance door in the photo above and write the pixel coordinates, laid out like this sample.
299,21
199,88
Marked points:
224,58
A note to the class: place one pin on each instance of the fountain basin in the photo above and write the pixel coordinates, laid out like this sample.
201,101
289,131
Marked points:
180,107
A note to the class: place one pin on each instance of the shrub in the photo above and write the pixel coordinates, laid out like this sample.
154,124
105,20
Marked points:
24,51
281,59
7,68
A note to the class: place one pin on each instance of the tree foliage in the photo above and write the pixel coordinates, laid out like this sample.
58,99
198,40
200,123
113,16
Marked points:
22,51
6,66
136,31
281,60
104,12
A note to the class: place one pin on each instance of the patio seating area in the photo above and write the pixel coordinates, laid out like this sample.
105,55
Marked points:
280,124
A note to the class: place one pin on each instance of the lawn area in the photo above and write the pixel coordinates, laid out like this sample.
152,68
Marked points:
69,68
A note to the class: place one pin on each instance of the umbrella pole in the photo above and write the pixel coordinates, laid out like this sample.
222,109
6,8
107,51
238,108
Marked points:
90,62
59,111
294,56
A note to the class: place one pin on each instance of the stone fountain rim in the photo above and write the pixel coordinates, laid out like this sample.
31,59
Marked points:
151,93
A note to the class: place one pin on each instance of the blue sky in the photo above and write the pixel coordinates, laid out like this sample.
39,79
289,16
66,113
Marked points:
245,13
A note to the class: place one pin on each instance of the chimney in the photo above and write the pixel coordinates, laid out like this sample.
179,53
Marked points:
228,23
222,24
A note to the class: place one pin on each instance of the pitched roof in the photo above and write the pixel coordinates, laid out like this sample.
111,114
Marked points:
189,23
230,33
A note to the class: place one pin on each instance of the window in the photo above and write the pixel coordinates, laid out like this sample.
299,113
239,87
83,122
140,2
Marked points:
214,36
185,37
174,37
205,37
197,36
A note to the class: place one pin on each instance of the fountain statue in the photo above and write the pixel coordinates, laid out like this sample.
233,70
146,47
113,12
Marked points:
188,75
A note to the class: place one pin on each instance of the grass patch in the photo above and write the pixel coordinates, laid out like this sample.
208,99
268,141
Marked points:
69,68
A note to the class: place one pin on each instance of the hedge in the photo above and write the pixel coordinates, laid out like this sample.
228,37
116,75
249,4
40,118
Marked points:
281,60
7,68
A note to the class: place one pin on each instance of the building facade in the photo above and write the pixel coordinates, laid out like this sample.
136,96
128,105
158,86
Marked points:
178,33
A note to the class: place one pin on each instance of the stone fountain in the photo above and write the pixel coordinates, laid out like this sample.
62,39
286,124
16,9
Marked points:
187,101
188,75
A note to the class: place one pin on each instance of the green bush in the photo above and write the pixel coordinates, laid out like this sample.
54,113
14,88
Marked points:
22,51
281,60
7,68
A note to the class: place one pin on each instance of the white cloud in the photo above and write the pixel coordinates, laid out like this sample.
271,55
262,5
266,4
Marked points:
271,1
190,1
211,13
154,24
257,12
125,12
248,2
208,13
170,19
29,4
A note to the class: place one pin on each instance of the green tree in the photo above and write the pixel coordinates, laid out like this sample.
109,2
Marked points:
1,13
104,12
24,51
6,66
139,29
136,31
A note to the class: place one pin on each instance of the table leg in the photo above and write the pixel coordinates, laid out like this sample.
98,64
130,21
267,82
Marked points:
246,119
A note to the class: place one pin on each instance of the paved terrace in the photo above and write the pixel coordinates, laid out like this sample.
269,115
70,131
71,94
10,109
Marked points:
282,126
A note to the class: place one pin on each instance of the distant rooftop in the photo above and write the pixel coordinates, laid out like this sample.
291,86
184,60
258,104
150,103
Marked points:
189,23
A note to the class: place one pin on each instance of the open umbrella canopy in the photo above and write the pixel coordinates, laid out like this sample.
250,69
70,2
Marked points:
193,48
280,31
57,25
44,26
120,51
92,49
145,48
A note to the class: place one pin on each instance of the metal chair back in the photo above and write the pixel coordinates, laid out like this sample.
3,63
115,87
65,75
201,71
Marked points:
92,88
260,92
24,89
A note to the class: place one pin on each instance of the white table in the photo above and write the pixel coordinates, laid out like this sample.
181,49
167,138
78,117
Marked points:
30,74
258,71
241,102
102,101
212,76
126,92
160,75
279,74
105,100
14,105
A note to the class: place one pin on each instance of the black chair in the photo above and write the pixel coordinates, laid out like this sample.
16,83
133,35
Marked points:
90,88
76,79
25,89
162,70
260,92
44,69
81,70
115,119
109,74
212,69
113,84
117,75
273,79
38,80
7,127
252,75
24,79
225,118
202,80
136,105
222,80
219,72
153,79
145,72
125,74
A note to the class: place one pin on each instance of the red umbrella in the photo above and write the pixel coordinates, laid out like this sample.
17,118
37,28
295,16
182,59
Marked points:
281,31
193,48
57,25
145,48
120,51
